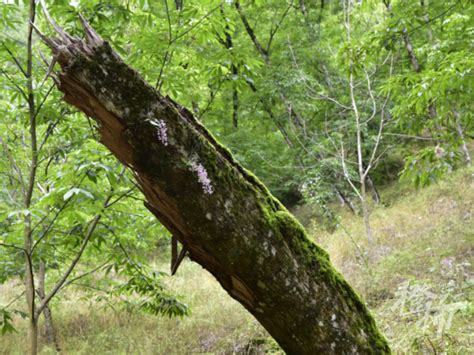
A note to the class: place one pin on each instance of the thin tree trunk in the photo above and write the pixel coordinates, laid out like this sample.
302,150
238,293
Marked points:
373,189
411,52
345,201
30,287
320,17
33,336
30,292
222,214
235,103
366,213
50,331
303,8
432,113
265,54
363,172
426,18
28,237
227,42
464,148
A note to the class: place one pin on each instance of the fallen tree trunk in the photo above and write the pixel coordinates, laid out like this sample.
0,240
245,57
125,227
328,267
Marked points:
222,214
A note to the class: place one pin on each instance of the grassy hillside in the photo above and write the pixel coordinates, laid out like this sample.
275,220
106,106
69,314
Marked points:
417,278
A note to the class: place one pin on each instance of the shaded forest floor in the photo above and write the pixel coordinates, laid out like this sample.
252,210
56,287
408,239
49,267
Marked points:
417,279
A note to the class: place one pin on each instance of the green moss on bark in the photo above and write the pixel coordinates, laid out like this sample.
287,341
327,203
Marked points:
317,258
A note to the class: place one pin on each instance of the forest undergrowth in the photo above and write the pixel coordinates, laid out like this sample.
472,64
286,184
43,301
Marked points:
417,279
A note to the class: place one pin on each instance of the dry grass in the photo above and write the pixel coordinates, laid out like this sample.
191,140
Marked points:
422,252
217,323
419,266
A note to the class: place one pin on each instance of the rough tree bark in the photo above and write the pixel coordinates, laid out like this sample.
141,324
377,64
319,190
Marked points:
226,218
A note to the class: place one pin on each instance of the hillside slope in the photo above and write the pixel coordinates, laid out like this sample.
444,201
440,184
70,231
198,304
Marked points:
417,280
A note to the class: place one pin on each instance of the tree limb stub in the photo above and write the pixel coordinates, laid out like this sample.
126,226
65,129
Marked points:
224,216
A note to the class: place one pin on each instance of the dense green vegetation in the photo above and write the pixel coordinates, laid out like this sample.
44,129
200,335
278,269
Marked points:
347,110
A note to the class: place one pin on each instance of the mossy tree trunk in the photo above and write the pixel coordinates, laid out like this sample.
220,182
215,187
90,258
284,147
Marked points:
224,216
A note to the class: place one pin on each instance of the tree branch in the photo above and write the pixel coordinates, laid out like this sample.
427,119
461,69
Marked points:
263,52
74,262
17,62
19,89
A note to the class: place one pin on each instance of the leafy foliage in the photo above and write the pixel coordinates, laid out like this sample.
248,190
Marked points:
270,79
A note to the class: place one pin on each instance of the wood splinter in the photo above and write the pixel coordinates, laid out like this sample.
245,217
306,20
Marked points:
175,258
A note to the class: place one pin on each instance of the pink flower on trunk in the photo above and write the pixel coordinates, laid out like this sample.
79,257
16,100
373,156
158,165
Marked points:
161,131
203,178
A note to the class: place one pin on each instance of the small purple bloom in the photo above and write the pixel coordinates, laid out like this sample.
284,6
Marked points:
161,131
202,177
